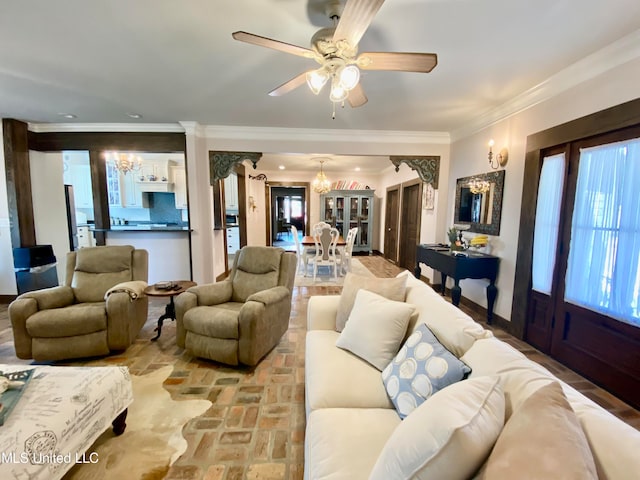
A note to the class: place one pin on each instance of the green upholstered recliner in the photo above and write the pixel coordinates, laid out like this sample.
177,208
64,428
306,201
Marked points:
240,319
100,308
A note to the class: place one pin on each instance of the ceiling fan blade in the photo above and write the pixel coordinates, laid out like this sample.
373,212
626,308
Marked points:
356,18
287,86
357,98
274,44
404,62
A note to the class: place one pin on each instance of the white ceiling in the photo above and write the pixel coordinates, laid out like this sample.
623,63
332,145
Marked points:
175,61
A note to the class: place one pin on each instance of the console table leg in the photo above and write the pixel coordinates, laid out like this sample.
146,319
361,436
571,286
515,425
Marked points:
492,291
443,283
417,272
456,293
119,424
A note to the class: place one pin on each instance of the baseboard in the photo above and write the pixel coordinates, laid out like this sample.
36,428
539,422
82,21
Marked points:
496,321
7,298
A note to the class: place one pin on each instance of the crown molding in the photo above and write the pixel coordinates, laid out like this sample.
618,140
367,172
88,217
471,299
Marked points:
615,54
106,127
324,135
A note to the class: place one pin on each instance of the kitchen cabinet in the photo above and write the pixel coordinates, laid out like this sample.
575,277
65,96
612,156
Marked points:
123,190
80,178
346,209
85,237
233,240
179,177
231,192
114,195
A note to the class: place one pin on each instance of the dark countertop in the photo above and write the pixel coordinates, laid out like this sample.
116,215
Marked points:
144,228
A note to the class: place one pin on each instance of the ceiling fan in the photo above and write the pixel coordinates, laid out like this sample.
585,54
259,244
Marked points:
336,50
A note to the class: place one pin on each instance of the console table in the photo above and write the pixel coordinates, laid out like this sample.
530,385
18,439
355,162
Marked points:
466,264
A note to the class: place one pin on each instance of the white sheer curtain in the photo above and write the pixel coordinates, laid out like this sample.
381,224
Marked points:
545,236
603,272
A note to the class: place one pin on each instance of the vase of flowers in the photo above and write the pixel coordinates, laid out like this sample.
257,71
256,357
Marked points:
455,239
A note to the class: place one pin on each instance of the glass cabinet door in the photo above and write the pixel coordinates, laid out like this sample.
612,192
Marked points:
113,186
329,203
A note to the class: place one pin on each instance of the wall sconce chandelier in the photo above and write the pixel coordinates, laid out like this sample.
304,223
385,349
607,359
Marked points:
321,183
124,162
498,160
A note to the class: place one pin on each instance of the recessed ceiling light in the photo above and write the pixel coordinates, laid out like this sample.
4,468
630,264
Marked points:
357,169
134,115
67,115
281,167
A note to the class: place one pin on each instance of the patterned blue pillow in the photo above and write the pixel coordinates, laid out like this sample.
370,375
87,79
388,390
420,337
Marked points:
421,368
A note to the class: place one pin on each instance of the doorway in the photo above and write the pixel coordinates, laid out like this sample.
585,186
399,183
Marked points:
410,222
391,218
288,206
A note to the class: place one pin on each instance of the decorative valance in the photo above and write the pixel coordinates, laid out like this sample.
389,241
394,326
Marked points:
221,163
428,167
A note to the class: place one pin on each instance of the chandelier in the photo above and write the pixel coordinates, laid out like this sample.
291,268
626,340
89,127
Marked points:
321,183
124,162
479,186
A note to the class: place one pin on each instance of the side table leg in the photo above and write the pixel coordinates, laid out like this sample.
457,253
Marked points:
492,292
119,424
456,293
169,313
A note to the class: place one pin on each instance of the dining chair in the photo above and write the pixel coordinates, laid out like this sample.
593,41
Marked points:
299,249
347,251
326,239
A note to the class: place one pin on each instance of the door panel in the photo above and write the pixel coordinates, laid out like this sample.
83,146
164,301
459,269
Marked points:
391,224
410,224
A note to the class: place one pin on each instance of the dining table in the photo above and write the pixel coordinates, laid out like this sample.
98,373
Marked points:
308,241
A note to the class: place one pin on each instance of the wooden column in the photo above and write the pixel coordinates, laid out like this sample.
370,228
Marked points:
18,173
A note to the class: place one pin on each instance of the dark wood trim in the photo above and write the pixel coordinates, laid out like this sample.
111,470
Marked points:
157,142
242,203
18,176
6,299
614,118
267,202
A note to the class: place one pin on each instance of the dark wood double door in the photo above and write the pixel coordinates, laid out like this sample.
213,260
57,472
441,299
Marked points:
402,223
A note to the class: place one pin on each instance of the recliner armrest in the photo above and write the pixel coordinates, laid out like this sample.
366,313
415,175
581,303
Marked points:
134,289
269,296
54,297
213,293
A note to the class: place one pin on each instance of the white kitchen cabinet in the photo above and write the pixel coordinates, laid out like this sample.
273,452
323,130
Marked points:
179,177
85,237
231,192
114,192
130,192
233,240
80,177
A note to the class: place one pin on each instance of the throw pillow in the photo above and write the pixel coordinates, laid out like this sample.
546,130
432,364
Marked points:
375,328
449,436
391,288
546,425
421,368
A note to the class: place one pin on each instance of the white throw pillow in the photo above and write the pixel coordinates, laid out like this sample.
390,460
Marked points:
449,436
375,328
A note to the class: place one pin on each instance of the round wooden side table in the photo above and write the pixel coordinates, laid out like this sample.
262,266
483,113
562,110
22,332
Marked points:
178,286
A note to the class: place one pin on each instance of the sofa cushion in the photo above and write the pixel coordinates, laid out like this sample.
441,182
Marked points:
344,443
220,321
544,424
391,288
79,319
421,368
449,436
456,330
256,269
337,378
375,328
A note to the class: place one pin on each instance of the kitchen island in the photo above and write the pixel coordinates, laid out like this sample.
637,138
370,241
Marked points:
168,246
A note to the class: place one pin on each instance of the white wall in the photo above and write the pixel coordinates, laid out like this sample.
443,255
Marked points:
49,205
469,157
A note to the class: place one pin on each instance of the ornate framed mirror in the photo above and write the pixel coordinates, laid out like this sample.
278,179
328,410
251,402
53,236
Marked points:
478,202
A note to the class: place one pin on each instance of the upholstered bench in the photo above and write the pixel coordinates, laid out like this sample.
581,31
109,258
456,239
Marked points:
61,412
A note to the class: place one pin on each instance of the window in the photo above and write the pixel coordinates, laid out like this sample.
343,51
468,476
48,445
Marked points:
545,236
603,271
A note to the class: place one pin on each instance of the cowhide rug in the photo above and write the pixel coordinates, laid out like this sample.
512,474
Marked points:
152,440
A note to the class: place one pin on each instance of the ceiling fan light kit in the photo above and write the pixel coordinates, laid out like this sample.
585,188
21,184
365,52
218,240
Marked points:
335,49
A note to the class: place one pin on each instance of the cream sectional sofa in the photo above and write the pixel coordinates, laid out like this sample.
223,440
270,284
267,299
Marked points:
350,417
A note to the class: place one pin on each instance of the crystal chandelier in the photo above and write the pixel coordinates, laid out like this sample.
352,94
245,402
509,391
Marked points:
321,183
124,162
